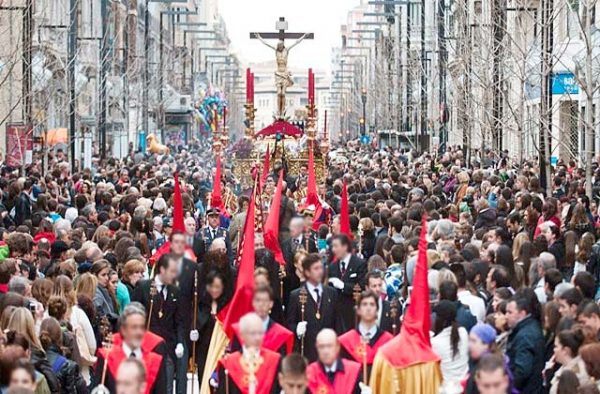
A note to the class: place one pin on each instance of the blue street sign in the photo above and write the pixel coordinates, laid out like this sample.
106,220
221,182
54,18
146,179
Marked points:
564,83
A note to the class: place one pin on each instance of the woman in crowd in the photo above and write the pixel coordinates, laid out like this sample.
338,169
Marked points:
451,343
566,353
67,371
103,301
132,272
21,321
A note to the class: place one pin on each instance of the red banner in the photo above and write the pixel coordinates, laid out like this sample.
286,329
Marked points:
19,140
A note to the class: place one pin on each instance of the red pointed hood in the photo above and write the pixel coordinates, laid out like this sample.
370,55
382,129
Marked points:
345,213
271,229
413,346
241,303
178,225
216,197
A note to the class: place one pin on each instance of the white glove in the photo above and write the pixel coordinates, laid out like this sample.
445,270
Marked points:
301,329
194,335
179,350
337,283
364,389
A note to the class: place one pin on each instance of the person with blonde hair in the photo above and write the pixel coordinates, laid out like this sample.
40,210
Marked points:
132,272
82,327
22,322
86,285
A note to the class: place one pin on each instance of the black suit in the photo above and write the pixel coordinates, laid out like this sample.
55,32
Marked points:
387,321
328,318
165,312
185,283
188,271
289,248
355,272
204,238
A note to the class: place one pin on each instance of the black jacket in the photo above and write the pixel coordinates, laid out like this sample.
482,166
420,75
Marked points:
355,274
289,249
165,313
22,208
525,350
67,372
327,318
41,364
204,238
387,320
186,297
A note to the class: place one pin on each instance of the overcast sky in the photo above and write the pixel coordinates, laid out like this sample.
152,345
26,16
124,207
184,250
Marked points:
322,17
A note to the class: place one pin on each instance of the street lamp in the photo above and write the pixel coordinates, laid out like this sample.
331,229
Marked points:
363,98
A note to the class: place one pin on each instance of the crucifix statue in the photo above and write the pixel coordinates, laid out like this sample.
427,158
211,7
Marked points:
283,77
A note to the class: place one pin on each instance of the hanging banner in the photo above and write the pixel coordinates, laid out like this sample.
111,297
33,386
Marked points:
19,145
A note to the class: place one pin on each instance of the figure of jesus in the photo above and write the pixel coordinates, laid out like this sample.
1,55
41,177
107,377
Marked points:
283,77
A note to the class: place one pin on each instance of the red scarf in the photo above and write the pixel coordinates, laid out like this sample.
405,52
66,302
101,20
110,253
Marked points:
265,376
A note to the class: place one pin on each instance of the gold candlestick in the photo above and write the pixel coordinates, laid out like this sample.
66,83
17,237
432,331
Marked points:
303,297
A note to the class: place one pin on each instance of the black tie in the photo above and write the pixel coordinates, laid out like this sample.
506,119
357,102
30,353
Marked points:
318,296
163,291
331,376
297,241
214,234
343,267
132,355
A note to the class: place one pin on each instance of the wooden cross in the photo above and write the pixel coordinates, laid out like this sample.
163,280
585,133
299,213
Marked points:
281,35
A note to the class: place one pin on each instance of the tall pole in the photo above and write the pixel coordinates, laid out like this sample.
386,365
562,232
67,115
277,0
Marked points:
161,80
442,61
27,39
72,51
546,94
146,79
409,102
422,145
104,68
498,28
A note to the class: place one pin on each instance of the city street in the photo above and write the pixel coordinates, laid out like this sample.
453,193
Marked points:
299,196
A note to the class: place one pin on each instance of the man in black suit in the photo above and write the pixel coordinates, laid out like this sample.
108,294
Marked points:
320,309
347,271
162,310
204,238
289,247
187,280
385,319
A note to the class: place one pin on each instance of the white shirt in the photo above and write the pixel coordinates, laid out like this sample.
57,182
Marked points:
454,369
540,292
475,304
160,286
311,290
379,311
369,333
127,350
331,368
346,262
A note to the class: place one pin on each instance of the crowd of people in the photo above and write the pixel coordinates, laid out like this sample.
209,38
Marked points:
99,288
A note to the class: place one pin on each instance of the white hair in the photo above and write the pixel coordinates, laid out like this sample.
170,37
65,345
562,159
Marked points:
62,225
248,320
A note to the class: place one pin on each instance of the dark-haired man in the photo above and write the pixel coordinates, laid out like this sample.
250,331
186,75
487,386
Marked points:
320,310
292,375
491,376
277,338
163,311
362,343
525,347
385,316
345,273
